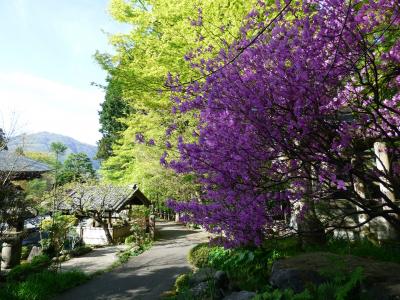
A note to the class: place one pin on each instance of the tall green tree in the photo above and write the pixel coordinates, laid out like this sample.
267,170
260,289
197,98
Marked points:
163,32
76,168
3,140
113,109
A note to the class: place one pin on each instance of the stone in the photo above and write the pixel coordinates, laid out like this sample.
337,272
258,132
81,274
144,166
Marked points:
381,280
201,275
199,289
34,252
295,279
221,280
242,295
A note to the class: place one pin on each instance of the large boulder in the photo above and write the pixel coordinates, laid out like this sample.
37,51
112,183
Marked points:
295,279
199,290
381,279
242,295
201,275
221,280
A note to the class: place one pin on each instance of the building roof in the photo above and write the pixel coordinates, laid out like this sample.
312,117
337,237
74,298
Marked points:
108,198
21,167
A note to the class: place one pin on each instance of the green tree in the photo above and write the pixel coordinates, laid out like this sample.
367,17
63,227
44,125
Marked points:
58,149
112,110
161,36
58,228
76,168
3,140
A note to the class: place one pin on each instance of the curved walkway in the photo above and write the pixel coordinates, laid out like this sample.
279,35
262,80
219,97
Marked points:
147,275
96,260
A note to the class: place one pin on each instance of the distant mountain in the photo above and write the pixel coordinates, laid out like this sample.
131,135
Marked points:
41,141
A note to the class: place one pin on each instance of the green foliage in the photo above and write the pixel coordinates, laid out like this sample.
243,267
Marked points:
21,272
364,248
42,286
199,255
112,110
81,250
182,282
25,250
340,287
58,148
3,140
129,240
161,35
275,294
133,251
57,227
249,268
76,168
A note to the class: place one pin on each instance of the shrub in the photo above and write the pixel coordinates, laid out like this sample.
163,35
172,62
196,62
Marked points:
43,285
249,268
129,240
21,272
199,255
340,287
25,250
182,283
81,250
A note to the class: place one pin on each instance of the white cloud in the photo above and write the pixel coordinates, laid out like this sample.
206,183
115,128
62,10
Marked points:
41,104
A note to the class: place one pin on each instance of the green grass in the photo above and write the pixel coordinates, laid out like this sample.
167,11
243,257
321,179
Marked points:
386,252
43,285
363,248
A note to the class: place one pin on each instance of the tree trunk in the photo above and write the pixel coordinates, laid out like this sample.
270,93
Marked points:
311,231
104,224
310,228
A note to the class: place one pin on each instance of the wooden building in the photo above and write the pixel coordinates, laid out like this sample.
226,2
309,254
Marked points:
101,209
14,167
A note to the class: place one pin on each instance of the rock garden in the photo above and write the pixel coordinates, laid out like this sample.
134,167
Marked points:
284,270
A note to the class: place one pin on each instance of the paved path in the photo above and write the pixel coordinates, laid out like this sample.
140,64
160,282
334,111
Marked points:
96,260
147,275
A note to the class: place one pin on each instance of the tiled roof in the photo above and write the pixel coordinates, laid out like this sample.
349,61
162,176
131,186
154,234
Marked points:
107,198
14,163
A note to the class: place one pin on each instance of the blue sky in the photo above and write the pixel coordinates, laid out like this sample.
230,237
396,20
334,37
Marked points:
47,65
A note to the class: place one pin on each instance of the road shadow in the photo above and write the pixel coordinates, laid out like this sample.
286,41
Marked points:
120,285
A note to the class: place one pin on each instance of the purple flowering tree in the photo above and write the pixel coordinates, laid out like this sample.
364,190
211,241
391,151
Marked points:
300,116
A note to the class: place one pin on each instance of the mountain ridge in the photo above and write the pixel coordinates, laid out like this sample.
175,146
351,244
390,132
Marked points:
41,141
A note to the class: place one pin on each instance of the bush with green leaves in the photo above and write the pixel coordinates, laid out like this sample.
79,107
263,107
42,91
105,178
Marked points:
81,250
389,251
199,255
58,228
25,250
248,268
21,272
342,286
129,240
182,282
43,285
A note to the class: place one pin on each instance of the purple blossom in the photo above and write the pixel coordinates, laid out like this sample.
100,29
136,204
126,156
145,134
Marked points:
285,115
